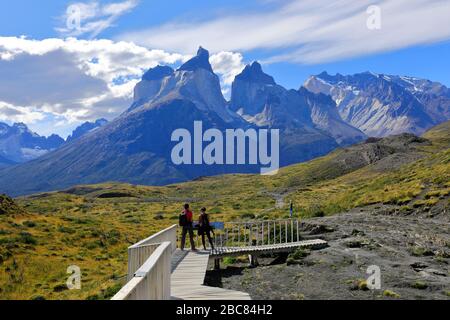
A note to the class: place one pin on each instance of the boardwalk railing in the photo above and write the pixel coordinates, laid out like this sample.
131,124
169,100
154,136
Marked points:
149,265
150,260
152,280
141,251
257,233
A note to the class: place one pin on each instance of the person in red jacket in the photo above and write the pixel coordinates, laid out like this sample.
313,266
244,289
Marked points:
186,219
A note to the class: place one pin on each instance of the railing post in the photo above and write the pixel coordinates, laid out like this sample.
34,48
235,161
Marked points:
257,234
262,232
280,233
286,230
239,235
298,236
292,230
245,234
274,232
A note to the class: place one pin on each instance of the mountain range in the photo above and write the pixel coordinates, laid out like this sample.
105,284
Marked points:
86,128
381,105
18,144
324,114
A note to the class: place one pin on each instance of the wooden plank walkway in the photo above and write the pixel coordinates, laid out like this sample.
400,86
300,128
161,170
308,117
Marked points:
188,276
270,248
189,269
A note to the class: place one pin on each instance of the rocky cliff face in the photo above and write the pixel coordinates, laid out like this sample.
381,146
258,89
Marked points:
259,100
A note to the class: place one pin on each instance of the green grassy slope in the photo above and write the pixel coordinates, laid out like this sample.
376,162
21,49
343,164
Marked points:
91,226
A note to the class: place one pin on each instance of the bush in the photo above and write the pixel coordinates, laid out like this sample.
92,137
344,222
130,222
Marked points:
29,224
297,256
60,288
229,260
63,229
391,294
419,285
26,238
362,285
420,251
248,216
359,284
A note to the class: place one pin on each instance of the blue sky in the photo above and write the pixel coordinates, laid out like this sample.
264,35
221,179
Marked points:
292,38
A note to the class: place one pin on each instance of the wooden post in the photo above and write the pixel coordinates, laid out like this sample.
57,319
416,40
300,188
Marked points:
298,235
280,232
286,230
245,234
217,264
262,232
274,232
292,230
253,259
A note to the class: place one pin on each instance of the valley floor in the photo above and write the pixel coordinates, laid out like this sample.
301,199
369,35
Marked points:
411,250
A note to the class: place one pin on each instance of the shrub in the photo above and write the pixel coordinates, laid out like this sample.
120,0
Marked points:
362,285
60,288
297,256
63,229
248,216
420,251
29,224
229,260
419,285
391,294
26,238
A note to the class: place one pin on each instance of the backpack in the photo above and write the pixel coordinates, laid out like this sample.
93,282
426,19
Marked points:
182,220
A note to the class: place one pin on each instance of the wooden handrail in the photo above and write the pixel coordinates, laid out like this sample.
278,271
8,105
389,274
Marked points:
168,234
152,280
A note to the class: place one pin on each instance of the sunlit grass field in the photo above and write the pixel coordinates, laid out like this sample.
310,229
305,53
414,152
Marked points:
92,226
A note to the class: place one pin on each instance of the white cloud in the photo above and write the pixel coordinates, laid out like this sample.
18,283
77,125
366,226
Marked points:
92,18
75,79
228,65
308,31
72,81
11,113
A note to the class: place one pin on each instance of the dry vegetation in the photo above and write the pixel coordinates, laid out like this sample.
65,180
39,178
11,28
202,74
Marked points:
91,226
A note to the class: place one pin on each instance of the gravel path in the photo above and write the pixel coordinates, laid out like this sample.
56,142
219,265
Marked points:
412,252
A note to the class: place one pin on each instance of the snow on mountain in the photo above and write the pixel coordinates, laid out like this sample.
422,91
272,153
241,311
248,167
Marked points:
381,105
19,144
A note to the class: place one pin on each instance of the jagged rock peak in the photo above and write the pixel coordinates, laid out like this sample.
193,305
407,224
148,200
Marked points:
200,61
157,73
254,73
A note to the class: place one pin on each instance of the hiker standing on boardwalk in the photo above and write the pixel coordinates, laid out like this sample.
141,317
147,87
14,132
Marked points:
185,221
204,228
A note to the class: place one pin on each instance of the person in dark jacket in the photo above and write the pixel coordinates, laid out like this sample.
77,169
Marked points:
186,219
204,228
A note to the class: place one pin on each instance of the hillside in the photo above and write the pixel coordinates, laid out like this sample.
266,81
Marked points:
91,226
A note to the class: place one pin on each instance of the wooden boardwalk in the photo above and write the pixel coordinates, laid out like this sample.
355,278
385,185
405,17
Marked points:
271,248
188,276
158,270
